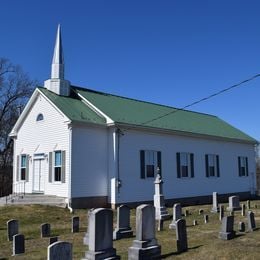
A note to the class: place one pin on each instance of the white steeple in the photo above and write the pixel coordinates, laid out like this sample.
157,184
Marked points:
57,83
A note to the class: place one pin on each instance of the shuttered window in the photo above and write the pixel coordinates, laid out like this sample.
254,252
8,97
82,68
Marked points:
242,166
185,165
57,165
212,165
150,162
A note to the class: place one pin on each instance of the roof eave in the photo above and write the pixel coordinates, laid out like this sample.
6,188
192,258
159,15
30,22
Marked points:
182,133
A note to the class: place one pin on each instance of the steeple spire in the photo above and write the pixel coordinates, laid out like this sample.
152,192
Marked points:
57,70
57,83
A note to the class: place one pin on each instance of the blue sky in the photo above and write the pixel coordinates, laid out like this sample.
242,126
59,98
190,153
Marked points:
167,52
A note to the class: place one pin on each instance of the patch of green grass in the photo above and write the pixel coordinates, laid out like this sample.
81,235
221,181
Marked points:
203,239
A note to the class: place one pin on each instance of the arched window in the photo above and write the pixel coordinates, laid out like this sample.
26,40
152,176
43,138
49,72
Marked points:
39,117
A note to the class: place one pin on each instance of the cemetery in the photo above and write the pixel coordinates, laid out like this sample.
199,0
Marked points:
46,232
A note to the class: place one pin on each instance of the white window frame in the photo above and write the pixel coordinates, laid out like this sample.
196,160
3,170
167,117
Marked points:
212,166
185,161
243,165
57,166
23,167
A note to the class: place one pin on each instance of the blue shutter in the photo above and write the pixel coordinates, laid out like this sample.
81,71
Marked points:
142,164
159,161
192,165
239,166
246,166
178,160
207,165
217,157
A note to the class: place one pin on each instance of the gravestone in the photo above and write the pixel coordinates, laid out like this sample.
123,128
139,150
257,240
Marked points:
221,212
158,199
251,221
12,229
206,219
59,251
227,232
75,224
243,210
215,207
160,224
195,222
233,203
241,227
123,228
53,240
18,244
201,211
176,215
186,213
181,236
100,242
248,204
145,245
45,230
86,237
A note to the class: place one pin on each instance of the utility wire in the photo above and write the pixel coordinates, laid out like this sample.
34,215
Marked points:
203,99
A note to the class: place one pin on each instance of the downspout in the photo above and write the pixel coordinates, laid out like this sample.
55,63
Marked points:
69,179
118,180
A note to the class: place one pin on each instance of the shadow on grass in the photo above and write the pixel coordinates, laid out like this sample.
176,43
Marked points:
178,253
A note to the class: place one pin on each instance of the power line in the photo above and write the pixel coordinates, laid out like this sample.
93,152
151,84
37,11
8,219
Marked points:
203,99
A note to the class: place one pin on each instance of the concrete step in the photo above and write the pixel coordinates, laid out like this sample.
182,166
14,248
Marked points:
33,199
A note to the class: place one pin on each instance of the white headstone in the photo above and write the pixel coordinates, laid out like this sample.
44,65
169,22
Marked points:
159,204
145,245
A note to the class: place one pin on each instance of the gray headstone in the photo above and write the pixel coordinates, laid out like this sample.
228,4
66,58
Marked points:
227,228
12,229
53,240
206,219
158,199
233,203
45,230
145,245
18,244
201,211
60,251
181,236
215,207
241,227
251,221
186,213
177,214
243,210
86,237
123,228
221,212
100,242
75,224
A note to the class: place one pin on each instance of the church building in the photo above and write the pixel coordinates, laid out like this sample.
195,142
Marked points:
96,149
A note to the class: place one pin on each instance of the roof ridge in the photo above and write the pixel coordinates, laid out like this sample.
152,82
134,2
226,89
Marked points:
142,101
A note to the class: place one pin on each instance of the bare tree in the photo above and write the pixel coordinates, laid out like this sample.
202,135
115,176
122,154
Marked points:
15,89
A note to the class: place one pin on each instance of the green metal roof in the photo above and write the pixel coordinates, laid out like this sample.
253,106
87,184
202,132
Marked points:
73,108
139,113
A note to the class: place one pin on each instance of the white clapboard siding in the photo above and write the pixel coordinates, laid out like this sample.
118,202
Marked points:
43,137
89,162
136,189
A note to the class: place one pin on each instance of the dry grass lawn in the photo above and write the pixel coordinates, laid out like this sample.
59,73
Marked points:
203,239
